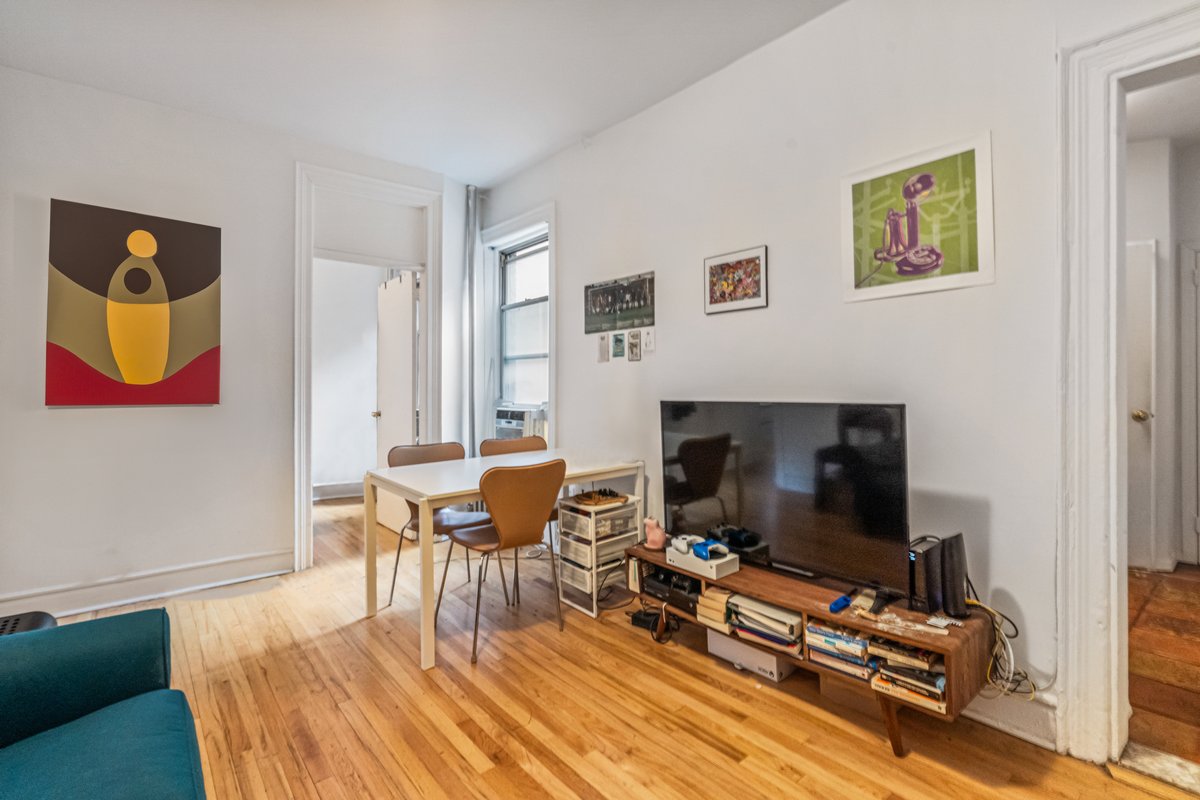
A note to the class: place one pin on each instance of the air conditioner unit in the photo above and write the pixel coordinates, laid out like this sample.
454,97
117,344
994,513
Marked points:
514,421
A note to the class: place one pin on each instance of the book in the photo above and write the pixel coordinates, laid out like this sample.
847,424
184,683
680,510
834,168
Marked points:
836,632
902,654
839,646
880,683
767,617
919,677
791,648
861,671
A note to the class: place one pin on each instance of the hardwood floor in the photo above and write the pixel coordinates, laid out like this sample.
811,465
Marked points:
1164,660
296,695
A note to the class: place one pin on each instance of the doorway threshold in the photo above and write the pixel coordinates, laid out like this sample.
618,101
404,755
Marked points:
1179,777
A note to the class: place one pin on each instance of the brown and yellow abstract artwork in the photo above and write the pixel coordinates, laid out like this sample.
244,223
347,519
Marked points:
134,309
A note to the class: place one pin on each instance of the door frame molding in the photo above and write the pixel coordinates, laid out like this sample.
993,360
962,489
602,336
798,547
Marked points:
309,178
1188,254
1093,717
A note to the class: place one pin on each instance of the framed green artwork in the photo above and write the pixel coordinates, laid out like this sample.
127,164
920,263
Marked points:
920,224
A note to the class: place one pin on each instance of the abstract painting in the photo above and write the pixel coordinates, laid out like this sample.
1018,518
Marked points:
920,224
735,281
620,304
133,311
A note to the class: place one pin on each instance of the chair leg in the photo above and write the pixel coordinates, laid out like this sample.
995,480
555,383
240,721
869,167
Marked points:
483,564
478,602
516,576
467,562
557,590
396,569
724,513
503,582
442,588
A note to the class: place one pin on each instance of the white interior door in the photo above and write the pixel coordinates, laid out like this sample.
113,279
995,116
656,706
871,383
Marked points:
395,423
1189,308
1140,326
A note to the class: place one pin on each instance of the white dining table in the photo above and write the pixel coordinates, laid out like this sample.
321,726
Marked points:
447,483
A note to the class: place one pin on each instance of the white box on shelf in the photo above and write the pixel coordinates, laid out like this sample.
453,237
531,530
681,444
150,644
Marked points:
712,568
772,666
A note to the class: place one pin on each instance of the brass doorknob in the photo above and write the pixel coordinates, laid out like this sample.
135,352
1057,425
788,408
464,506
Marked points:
1141,416
380,413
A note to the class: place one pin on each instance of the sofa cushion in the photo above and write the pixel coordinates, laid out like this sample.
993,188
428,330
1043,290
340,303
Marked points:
143,748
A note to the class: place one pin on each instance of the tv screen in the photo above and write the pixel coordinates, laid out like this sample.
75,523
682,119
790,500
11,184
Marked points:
825,485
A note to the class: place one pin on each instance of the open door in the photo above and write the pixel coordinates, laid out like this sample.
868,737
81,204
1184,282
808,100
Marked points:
1140,327
395,414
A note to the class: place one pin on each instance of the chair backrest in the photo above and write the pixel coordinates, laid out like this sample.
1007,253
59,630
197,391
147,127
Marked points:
499,447
520,499
404,455
703,462
407,454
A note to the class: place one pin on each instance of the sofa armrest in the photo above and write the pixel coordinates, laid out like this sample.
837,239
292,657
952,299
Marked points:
53,676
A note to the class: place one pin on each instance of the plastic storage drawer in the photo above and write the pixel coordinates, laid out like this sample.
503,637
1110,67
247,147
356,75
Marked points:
607,549
579,577
601,524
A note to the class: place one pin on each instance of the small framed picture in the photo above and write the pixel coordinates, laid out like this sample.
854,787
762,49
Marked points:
618,345
634,348
736,281
602,356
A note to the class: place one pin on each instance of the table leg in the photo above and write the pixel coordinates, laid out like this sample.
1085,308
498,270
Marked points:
370,536
891,721
425,537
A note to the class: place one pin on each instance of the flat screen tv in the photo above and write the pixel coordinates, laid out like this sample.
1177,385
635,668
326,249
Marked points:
825,485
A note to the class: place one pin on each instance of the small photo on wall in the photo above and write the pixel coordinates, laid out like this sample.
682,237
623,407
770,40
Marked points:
602,356
620,304
920,224
735,281
618,345
635,346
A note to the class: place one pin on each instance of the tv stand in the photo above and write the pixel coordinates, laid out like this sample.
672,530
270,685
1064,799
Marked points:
966,650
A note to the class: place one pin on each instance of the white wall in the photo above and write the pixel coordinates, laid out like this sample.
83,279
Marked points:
104,504
754,155
345,345
1150,215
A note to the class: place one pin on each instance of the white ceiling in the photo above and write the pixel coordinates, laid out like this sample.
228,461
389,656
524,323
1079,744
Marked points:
476,89
1167,111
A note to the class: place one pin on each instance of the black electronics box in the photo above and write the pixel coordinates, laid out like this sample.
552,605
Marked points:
925,576
680,591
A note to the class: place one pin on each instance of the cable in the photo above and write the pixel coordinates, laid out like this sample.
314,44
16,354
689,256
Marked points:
1003,675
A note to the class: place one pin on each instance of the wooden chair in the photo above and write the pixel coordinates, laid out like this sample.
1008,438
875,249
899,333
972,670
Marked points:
519,499
444,520
499,447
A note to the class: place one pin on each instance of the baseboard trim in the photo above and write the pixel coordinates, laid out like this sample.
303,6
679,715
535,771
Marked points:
1034,721
337,491
67,599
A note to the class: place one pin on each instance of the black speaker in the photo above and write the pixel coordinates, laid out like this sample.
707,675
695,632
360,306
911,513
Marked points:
925,575
954,576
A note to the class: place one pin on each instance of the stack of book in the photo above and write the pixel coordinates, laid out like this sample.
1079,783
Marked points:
767,625
920,687
911,674
712,609
840,649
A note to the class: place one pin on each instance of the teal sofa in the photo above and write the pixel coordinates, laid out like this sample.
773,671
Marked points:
86,712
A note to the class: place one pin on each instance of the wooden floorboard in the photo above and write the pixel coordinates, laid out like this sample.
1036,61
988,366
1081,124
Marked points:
1164,660
296,695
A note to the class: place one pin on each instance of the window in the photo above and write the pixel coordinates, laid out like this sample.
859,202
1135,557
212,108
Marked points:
525,323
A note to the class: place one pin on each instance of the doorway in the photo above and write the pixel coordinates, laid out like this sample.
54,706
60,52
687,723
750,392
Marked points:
1161,171
352,219
366,376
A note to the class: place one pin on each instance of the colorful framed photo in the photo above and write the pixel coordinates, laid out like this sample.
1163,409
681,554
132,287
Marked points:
634,348
735,281
920,224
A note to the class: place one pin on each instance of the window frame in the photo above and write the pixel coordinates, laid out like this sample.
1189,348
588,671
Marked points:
526,248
